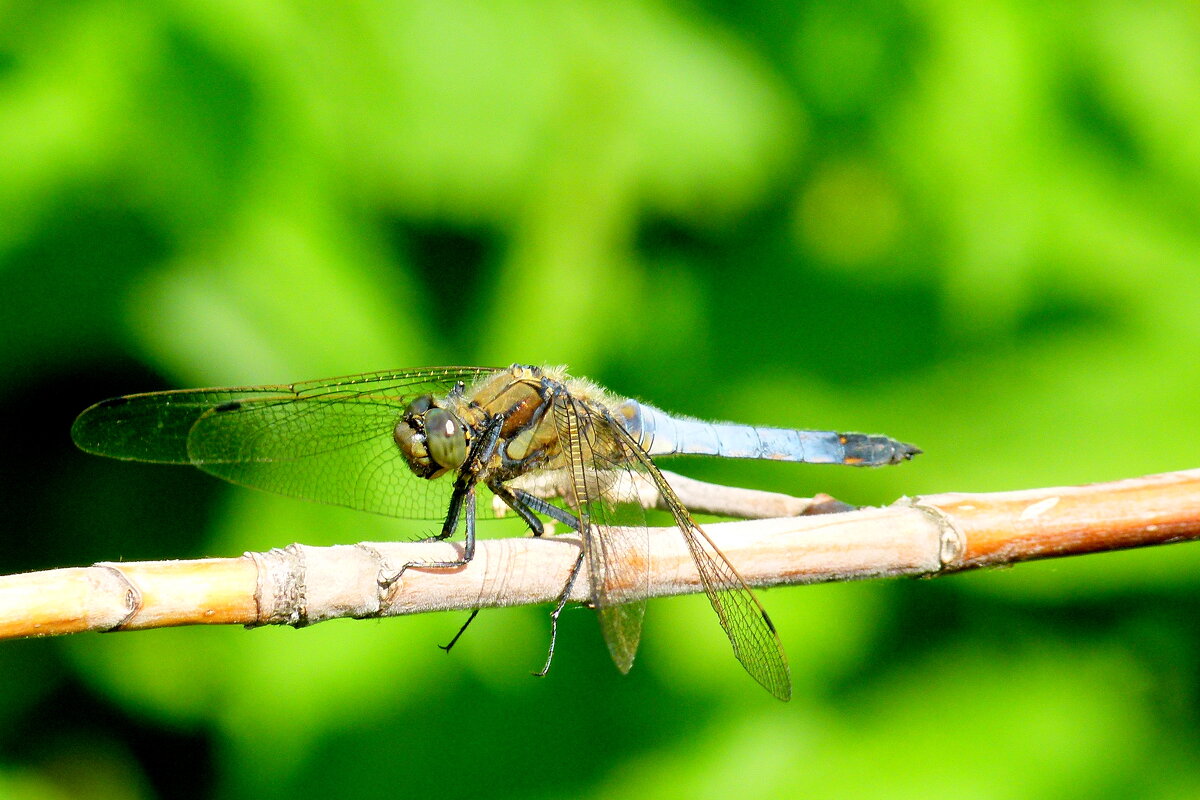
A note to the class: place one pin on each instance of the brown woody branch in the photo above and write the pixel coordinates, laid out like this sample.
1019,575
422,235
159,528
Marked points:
301,585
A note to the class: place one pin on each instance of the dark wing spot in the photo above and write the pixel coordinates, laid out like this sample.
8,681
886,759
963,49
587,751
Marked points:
232,405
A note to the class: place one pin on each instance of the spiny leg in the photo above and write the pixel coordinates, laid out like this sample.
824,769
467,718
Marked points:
461,500
468,554
464,508
523,511
558,608
526,504
532,503
461,631
468,540
546,507
530,519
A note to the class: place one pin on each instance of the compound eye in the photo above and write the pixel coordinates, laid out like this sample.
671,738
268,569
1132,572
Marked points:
446,438
420,405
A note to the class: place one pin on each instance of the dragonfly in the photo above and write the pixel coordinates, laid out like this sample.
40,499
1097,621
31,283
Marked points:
427,443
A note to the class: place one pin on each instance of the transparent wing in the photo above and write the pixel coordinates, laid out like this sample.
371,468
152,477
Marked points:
618,547
750,630
326,440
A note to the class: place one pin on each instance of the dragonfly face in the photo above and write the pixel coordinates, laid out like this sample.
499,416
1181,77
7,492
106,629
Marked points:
422,443
432,439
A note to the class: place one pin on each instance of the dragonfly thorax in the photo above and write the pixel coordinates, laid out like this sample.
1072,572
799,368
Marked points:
432,439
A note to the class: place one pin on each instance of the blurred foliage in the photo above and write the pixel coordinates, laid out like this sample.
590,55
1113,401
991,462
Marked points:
972,226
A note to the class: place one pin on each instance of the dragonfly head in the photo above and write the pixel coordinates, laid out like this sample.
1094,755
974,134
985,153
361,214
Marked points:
432,439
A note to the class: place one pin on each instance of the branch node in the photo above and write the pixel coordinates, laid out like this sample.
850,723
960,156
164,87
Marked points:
280,593
133,595
952,542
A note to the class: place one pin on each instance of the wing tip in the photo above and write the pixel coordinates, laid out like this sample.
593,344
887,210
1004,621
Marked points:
82,429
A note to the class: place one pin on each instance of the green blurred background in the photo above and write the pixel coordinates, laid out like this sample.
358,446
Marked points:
971,226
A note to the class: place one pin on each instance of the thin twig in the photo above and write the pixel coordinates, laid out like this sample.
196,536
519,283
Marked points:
301,585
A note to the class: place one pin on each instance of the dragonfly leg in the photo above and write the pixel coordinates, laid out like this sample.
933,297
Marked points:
523,511
558,608
462,500
527,507
467,510
467,554
546,507
461,631
462,487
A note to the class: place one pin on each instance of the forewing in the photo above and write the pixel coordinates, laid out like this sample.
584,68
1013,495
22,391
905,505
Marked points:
751,632
327,440
154,427
617,542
